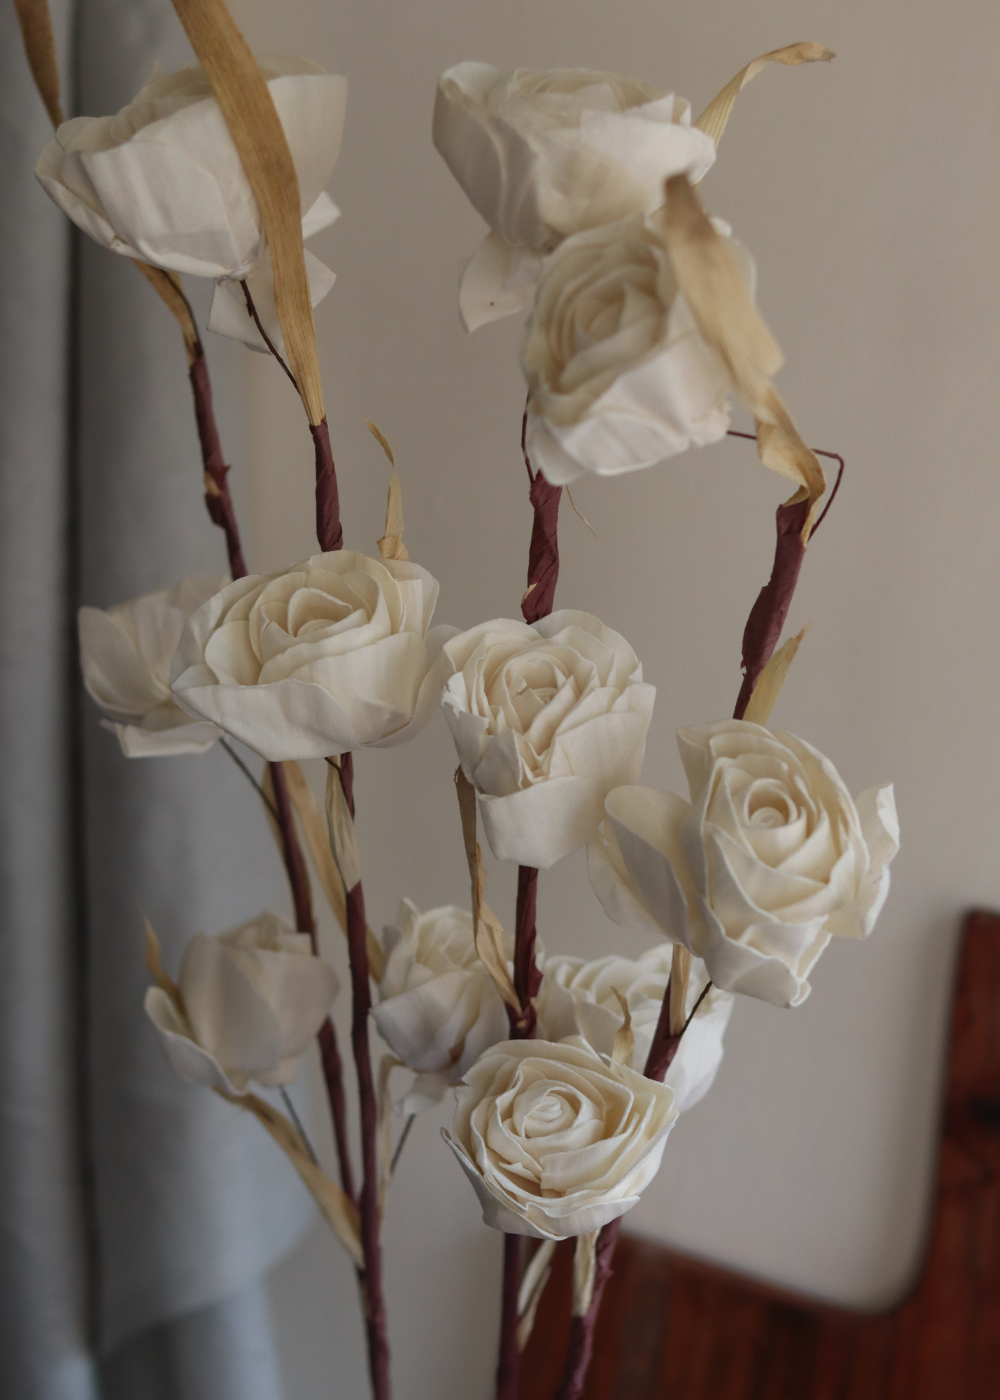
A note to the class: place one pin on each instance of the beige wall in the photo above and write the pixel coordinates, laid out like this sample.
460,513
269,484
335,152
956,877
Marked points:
867,192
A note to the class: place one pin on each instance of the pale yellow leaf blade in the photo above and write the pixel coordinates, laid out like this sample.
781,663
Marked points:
167,286
584,1270
489,931
338,1209
718,297
391,544
533,1282
680,974
715,116
771,679
624,1046
781,449
260,141
40,46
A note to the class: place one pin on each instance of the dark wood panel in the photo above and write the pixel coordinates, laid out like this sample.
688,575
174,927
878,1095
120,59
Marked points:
675,1329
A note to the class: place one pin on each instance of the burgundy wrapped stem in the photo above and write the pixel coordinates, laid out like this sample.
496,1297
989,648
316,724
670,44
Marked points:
329,530
767,616
368,1206
543,550
217,497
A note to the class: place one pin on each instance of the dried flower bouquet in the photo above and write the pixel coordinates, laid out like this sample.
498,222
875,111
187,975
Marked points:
640,326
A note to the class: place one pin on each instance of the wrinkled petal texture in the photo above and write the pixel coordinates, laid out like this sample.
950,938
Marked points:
162,181
556,1140
546,719
543,154
770,859
330,655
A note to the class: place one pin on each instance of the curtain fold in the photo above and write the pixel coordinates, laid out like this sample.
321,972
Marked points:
137,1214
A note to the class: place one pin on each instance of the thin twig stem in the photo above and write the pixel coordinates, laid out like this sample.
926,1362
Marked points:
293,1115
252,313
401,1143
250,777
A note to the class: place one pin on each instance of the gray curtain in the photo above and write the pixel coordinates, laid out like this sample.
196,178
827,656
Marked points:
137,1215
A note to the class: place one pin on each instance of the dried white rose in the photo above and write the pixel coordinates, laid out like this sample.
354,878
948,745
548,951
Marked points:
768,861
546,719
543,154
579,998
556,1139
125,654
330,655
252,1000
161,181
438,1007
618,373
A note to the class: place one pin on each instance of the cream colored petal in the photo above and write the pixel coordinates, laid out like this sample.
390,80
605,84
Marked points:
647,826
497,281
539,825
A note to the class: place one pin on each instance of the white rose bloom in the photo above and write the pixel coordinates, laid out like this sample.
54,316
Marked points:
619,375
438,1008
252,1001
547,719
126,653
768,861
162,182
578,998
557,1140
330,655
545,154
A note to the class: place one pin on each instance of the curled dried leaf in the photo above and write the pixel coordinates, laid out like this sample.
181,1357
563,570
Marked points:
260,141
781,448
489,931
340,826
533,1282
338,1209
624,1046
718,297
40,46
391,544
680,974
584,1269
715,116
771,679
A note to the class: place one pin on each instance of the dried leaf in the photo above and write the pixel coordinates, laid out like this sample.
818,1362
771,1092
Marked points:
391,544
155,964
167,286
260,141
584,1268
718,297
340,827
770,681
624,1046
314,830
337,1207
489,931
533,1282
680,973
715,116
387,1065
780,448
40,46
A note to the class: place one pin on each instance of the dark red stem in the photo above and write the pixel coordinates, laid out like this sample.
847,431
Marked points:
329,530
217,497
767,616
543,550
507,1365
357,946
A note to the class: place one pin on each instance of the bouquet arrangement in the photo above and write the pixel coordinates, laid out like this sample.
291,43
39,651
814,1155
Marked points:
641,327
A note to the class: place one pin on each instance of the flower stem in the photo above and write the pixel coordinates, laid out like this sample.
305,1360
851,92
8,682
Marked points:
543,551
368,1206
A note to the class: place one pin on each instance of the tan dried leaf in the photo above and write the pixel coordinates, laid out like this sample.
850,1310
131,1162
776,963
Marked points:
387,1064
340,827
781,448
715,116
718,297
260,141
624,1046
40,46
489,931
167,286
314,830
391,544
770,681
680,974
533,1282
584,1269
337,1207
